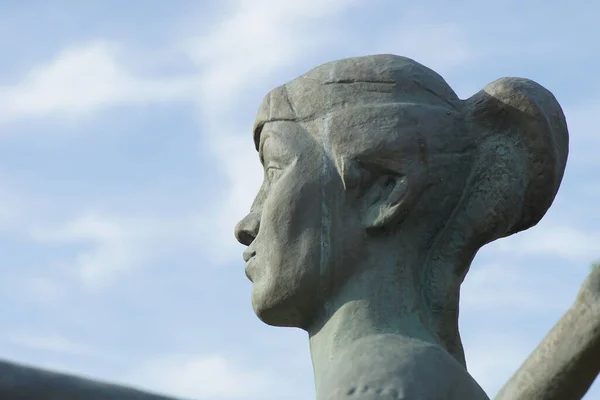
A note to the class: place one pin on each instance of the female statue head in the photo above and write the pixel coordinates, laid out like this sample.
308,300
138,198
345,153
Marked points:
378,176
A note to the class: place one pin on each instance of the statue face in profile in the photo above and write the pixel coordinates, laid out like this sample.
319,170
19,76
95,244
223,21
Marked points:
283,229
380,185
307,232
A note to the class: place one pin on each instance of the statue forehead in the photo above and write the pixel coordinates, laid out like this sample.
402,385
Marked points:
355,83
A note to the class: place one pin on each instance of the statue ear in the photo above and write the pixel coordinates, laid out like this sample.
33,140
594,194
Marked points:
381,194
383,200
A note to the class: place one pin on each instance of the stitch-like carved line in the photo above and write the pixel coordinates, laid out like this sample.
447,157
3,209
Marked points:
378,391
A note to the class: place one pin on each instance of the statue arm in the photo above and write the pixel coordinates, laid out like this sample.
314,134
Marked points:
18,382
565,364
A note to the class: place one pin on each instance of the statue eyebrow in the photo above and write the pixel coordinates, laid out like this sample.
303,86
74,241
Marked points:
263,138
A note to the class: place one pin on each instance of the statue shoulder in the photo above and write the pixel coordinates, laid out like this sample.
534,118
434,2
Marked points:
392,368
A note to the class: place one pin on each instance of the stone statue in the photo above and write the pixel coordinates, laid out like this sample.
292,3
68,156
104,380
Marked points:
380,186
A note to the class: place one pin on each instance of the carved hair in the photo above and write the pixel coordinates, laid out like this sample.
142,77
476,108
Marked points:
522,148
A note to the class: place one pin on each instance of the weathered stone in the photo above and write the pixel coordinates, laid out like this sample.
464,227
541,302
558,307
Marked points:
380,187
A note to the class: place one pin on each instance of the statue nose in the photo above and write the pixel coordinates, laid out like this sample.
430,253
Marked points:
247,229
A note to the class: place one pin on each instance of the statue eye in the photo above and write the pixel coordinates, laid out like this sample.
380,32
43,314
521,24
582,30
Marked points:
272,173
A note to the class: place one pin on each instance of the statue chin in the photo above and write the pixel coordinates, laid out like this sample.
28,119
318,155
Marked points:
275,312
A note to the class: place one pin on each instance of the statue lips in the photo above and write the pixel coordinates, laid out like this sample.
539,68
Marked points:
248,256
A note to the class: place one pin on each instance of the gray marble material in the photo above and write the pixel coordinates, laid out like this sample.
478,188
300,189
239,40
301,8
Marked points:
380,186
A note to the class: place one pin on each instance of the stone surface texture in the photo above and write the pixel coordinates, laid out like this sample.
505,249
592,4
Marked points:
380,186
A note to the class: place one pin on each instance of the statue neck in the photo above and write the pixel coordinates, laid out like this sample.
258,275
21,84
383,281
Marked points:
379,301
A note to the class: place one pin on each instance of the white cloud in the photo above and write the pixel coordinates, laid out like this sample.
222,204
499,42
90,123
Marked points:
83,79
113,245
41,287
203,377
512,288
51,343
246,46
256,39
569,243
439,46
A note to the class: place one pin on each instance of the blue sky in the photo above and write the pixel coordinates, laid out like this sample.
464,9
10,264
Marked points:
126,158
